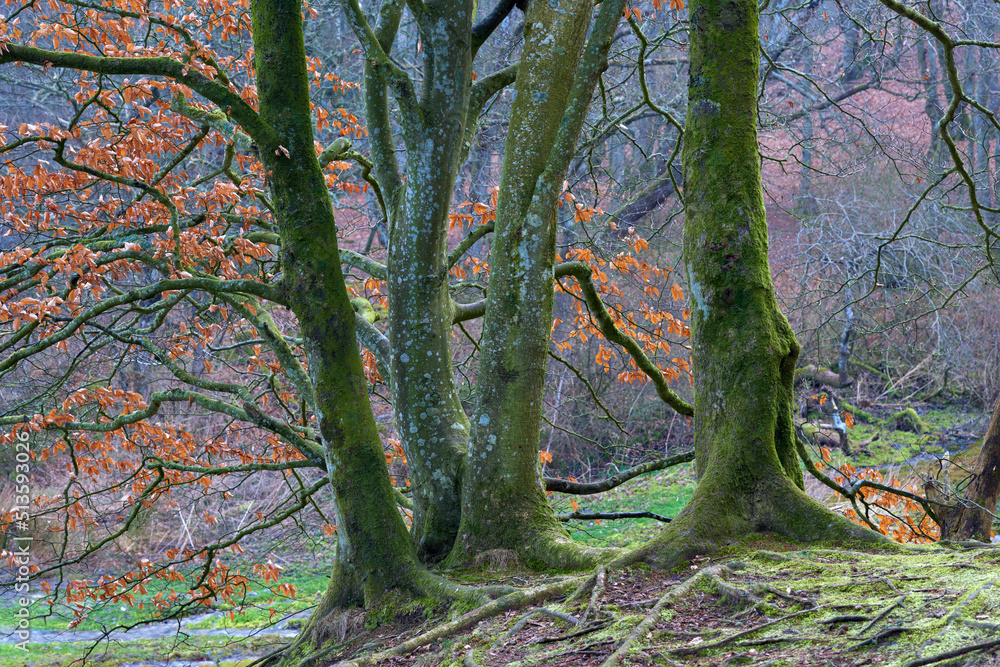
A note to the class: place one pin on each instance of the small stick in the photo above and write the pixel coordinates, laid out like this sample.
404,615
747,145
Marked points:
595,595
882,614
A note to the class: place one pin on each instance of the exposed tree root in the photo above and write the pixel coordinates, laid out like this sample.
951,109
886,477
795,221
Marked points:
955,614
521,622
507,603
882,614
981,646
691,650
614,660
594,605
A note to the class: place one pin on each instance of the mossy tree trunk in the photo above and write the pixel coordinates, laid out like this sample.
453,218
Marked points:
743,349
503,501
375,554
974,517
431,423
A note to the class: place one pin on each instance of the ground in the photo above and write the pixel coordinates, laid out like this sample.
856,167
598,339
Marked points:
761,602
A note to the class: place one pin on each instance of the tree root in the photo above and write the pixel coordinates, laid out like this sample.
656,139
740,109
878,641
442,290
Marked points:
882,614
689,650
614,660
955,614
982,646
881,636
594,606
519,625
507,603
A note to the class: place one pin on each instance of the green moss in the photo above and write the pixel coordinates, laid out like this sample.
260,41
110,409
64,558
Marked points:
909,420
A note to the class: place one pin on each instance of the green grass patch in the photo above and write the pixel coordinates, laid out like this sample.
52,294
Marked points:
260,606
225,652
663,493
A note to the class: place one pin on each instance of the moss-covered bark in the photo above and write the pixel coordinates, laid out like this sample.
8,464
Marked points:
375,554
743,349
503,501
432,425
974,517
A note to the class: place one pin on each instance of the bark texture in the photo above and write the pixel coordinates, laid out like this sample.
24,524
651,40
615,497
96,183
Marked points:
743,349
974,517
503,501
432,425
374,550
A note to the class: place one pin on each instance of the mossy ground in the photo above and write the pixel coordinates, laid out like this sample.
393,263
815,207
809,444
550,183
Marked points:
942,606
768,602
952,429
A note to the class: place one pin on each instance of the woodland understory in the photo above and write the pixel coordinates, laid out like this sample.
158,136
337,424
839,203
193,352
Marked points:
384,281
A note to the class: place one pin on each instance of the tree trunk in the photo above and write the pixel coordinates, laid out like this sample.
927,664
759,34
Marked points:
374,554
431,423
743,349
974,518
503,501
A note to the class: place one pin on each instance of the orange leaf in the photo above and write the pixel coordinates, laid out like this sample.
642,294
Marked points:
574,505
826,453
848,419
545,457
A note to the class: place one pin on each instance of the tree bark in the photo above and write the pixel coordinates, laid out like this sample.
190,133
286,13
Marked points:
503,500
374,551
743,349
430,420
974,518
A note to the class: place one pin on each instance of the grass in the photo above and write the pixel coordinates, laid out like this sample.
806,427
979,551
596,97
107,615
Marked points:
664,493
224,652
252,611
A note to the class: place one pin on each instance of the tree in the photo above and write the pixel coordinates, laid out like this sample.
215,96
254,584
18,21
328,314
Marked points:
125,261
743,350
120,271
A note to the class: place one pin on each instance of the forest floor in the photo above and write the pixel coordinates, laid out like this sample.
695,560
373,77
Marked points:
762,602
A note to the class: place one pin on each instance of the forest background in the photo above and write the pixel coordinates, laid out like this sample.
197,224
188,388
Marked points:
174,330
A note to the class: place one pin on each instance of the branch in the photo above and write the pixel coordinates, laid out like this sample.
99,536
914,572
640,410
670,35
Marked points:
588,488
611,516
599,312
222,96
468,311
366,264
482,30
593,392
217,120
851,492
381,64
480,92
470,240
376,343
88,315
